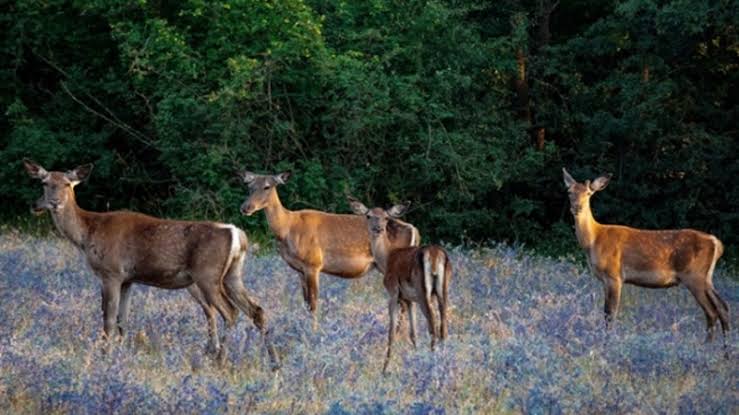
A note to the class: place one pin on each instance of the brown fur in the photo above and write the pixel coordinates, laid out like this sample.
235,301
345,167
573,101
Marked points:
411,275
312,241
123,248
620,255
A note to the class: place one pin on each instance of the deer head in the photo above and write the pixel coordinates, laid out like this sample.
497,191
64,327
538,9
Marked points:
58,186
580,193
261,190
377,218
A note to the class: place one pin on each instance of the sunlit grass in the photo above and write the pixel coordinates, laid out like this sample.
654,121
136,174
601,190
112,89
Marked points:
526,335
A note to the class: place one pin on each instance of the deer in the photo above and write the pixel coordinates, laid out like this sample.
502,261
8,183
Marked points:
312,241
413,274
620,255
123,248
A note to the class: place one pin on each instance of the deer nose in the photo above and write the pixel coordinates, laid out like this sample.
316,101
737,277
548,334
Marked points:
54,203
247,209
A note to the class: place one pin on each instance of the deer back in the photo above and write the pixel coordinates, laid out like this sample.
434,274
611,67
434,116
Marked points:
157,251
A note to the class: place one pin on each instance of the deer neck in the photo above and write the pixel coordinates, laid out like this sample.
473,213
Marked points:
278,218
586,227
70,222
380,245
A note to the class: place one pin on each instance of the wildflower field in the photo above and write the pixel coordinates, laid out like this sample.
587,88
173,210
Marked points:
526,336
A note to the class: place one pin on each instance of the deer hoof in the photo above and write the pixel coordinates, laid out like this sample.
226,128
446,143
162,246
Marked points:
222,357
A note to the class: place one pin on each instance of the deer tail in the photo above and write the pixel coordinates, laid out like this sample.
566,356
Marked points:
433,260
237,248
718,250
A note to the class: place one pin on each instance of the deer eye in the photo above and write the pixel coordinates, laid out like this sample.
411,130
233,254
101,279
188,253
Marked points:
266,187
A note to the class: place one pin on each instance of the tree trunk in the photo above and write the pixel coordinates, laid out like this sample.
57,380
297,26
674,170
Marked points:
522,89
540,134
545,11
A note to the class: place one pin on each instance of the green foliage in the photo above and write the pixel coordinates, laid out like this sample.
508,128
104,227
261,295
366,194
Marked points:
386,101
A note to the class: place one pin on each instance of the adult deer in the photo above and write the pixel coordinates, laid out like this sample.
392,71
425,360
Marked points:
646,258
312,241
412,274
123,248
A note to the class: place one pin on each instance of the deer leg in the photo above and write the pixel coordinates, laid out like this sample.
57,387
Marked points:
401,311
411,321
111,298
123,308
214,344
722,308
701,296
312,279
238,294
216,299
612,300
228,323
441,302
304,286
222,356
445,300
723,314
240,297
429,313
393,311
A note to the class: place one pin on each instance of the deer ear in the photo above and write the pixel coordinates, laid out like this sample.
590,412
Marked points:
34,169
357,207
398,210
80,173
248,177
601,182
282,177
569,181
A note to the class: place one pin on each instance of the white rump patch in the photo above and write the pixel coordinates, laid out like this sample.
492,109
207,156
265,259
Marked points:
235,242
427,277
716,245
440,274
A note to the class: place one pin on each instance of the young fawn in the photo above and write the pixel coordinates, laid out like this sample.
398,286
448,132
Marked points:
411,275
312,241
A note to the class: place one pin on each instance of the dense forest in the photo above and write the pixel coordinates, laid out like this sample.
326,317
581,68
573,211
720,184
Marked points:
467,108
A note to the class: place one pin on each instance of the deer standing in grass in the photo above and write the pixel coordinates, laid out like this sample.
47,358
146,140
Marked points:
312,241
646,258
412,274
123,248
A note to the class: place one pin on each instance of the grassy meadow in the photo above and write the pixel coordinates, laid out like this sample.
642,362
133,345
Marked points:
526,336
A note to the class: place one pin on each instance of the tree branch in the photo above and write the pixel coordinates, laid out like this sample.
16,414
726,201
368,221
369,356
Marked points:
114,120
142,138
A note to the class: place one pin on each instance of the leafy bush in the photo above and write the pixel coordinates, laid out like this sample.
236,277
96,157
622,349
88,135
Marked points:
468,109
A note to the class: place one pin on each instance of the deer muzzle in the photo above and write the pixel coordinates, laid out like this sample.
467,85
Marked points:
38,207
247,209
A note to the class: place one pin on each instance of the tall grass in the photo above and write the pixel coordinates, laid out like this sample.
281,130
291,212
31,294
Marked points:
526,335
